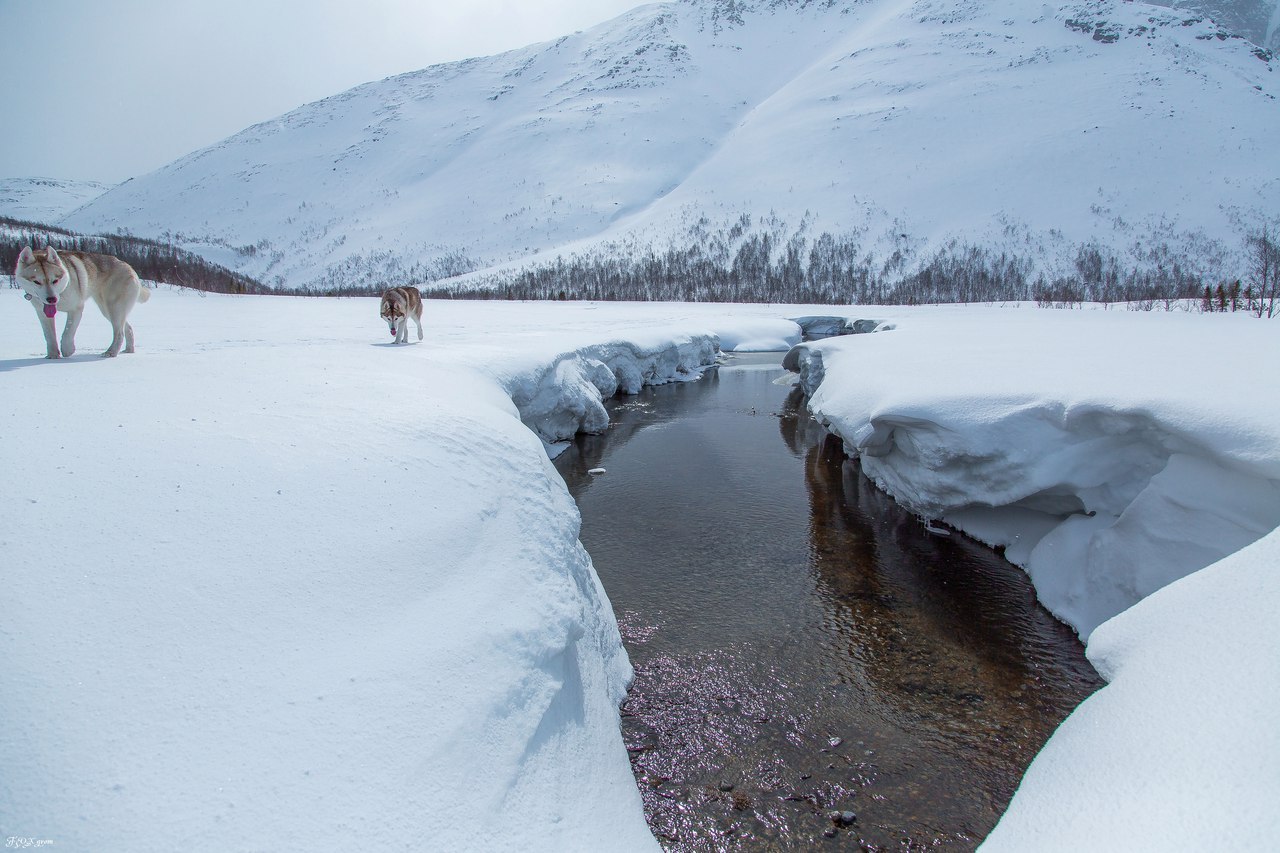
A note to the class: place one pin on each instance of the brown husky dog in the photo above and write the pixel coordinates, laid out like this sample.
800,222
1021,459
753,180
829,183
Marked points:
64,281
398,305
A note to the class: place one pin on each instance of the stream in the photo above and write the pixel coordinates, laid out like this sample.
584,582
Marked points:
814,668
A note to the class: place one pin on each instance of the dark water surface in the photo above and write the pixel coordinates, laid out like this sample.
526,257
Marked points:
802,645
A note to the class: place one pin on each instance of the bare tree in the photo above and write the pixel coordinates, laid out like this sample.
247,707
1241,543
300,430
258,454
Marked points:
1264,270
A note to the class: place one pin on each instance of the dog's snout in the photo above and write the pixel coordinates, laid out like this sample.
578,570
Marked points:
52,300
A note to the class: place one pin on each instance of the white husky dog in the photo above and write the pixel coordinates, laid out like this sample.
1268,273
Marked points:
64,281
398,305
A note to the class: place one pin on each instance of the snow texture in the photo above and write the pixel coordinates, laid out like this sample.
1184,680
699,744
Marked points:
1027,128
1121,458
1108,454
274,583
1255,20
1179,751
45,199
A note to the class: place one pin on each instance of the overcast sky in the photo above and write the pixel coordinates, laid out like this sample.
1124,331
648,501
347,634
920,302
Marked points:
105,90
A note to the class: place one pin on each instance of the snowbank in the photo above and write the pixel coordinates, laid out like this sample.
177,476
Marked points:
1113,455
1110,453
275,583
1179,751
567,396
762,335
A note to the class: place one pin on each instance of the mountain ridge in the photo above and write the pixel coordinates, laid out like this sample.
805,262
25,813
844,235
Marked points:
45,199
941,121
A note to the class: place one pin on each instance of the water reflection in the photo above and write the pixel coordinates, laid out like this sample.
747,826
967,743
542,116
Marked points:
802,645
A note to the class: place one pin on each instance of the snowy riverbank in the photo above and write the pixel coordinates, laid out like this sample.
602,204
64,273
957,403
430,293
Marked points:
273,582
1111,454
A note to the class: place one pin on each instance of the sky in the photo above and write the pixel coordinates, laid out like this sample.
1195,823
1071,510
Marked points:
110,90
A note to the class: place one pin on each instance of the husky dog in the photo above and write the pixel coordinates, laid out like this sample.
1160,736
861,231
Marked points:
64,281
398,305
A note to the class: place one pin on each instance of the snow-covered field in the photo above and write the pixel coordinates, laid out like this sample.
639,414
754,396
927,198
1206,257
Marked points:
274,583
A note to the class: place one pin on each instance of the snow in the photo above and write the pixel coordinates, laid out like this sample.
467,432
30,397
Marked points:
45,199
275,583
761,335
1109,453
1128,461
1178,751
904,124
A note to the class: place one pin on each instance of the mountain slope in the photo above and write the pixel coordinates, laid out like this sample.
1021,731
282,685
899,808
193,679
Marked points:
1256,20
908,123
45,199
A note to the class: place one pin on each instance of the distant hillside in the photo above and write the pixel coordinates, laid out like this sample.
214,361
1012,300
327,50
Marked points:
45,199
152,259
1256,20
905,133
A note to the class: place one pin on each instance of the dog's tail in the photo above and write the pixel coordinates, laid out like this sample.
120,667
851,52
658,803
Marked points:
144,293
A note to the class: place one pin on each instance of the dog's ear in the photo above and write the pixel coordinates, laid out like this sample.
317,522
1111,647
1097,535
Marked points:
51,254
26,256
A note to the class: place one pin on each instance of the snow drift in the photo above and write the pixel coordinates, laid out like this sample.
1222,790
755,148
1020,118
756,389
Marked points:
272,582
1178,751
1123,459
1107,456
298,590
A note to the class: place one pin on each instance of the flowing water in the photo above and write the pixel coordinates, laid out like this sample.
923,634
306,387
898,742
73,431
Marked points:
814,668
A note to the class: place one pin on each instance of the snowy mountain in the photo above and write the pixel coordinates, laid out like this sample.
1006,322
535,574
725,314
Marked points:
45,199
1256,20
899,126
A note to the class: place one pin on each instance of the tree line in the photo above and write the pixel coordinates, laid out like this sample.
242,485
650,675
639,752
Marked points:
748,261
835,269
154,260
